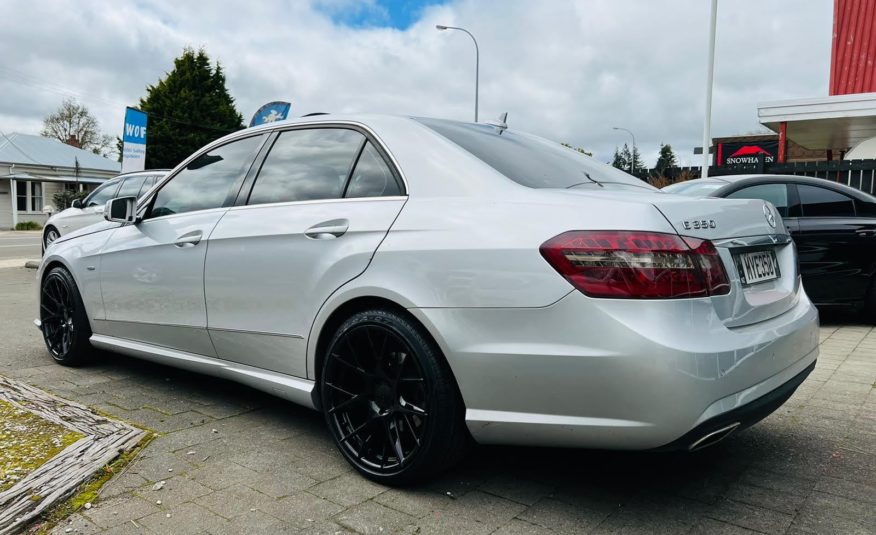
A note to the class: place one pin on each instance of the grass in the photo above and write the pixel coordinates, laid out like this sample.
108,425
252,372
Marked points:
28,225
27,441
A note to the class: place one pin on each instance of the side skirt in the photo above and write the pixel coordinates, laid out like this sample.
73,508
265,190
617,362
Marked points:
294,389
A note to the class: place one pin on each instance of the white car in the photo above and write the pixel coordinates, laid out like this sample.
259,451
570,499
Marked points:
90,210
423,282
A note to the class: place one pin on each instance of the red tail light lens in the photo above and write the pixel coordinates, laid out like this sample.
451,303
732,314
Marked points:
637,265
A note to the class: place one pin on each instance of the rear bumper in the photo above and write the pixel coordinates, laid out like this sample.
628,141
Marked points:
617,374
732,421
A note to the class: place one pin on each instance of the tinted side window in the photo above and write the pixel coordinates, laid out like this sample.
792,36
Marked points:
372,177
822,202
147,184
306,165
206,182
774,193
131,186
101,195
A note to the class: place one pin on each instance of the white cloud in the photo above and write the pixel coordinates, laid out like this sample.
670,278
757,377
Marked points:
566,70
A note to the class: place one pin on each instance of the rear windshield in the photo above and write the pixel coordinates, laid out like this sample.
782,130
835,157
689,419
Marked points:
532,161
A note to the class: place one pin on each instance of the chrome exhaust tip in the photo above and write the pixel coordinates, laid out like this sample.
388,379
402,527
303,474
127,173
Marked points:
710,439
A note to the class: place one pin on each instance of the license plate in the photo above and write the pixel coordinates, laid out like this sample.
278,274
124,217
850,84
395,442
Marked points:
757,266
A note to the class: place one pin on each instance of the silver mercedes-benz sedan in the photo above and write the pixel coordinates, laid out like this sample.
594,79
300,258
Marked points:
426,282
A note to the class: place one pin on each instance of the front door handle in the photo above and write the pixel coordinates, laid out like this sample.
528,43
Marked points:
189,239
328,229
866,233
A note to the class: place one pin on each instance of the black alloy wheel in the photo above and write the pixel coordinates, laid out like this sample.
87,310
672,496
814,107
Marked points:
390,400
62,318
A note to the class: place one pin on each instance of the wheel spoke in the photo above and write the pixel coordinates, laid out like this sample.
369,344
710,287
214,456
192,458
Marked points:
410,408
355,400
339,389
410,428
396,444
356,431
357,369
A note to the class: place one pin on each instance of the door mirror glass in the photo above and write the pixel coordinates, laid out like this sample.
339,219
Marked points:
77,203
121,210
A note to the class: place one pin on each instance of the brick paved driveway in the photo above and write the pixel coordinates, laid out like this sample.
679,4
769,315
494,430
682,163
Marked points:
270,467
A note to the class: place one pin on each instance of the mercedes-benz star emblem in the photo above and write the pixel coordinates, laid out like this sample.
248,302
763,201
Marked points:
768,214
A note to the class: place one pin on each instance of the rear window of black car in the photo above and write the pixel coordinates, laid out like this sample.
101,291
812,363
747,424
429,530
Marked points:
531,161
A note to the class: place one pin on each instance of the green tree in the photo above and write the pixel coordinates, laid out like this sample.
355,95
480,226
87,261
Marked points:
621,159
665,160
187,109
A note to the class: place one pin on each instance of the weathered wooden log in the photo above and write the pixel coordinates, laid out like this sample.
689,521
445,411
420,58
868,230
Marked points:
60,476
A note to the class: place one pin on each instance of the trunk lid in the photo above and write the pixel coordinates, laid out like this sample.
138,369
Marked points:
736,227
742,230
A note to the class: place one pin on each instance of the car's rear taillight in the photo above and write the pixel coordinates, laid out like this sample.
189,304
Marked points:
637,265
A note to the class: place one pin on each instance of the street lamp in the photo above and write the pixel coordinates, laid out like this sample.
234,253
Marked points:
441,27
633,159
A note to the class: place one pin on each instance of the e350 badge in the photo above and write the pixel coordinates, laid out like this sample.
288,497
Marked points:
697,224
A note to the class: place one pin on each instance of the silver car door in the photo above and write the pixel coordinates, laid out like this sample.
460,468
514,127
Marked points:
273,261
152,271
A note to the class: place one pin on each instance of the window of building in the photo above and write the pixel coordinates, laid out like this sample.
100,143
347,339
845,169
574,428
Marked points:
36,196
21,195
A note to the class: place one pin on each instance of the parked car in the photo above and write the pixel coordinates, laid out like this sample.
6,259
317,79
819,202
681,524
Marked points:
90,210
422,282
833,225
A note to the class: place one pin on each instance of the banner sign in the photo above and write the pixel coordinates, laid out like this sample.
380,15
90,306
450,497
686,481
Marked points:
134,141
747,152
270,112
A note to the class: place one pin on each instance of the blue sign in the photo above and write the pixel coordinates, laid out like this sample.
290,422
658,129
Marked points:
270,112
134,138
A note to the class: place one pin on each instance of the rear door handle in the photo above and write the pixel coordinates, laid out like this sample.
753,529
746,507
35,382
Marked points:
328,229
866,233
189,239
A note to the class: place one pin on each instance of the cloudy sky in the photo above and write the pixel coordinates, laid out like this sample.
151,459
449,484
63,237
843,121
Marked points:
567,70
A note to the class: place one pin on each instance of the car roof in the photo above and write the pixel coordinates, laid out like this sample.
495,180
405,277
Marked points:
737,182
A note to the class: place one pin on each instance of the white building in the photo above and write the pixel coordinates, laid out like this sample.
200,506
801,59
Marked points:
34,168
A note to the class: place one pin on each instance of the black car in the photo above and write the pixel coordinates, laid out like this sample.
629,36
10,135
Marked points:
833,226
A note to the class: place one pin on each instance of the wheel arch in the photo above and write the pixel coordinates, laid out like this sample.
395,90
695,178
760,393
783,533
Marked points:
332,316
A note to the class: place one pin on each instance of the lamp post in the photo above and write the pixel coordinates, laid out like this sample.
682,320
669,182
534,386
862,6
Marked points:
633,159
710,74
441,27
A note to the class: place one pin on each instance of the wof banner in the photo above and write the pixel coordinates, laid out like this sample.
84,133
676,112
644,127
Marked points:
134,141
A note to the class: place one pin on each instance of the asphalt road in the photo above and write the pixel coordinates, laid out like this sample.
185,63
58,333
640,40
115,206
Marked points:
19,245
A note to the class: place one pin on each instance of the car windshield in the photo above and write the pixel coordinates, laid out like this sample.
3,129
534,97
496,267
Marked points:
694,188
532,161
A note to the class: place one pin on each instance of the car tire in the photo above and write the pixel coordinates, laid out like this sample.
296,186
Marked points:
49,235
63,320
390,399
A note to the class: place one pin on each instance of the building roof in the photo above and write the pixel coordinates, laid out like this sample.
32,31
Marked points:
836,122
24,149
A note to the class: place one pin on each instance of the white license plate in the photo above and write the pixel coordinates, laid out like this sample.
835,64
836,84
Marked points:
757,266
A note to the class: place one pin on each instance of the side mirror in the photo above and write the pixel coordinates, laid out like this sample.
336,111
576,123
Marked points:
77,203
121,210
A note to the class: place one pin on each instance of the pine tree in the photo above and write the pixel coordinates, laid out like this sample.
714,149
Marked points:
665,160
187,109
621,158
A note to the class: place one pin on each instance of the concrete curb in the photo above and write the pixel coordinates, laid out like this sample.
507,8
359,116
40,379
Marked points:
32,264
